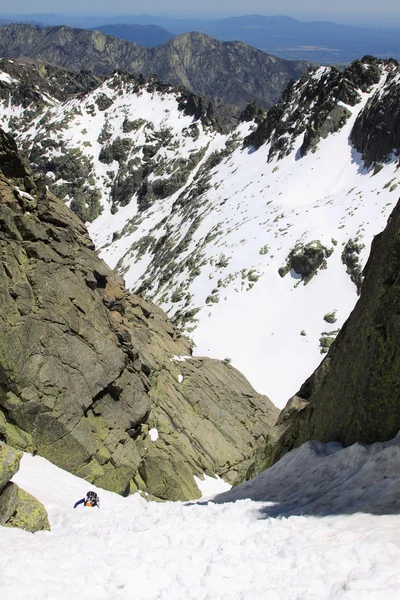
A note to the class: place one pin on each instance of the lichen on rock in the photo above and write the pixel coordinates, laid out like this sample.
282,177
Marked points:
86,369
17,507
20,509
9,463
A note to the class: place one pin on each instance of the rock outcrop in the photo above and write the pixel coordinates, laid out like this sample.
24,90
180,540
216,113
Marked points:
9,463
330,90
353,396
17,507
144,35
35,79
306,260
89,374
380,114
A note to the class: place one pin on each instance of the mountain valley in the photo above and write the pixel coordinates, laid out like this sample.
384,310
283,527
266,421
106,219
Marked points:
161,253
267,226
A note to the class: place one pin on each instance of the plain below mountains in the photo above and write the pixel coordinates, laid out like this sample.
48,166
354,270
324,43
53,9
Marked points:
231,72
319,41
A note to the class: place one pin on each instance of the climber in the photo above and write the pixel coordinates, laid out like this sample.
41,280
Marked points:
91,499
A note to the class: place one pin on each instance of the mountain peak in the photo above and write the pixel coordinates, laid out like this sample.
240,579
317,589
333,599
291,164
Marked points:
230,72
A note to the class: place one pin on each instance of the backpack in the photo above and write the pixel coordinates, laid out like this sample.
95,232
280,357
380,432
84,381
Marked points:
92,499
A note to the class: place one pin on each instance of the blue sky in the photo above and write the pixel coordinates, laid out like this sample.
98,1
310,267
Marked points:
362,11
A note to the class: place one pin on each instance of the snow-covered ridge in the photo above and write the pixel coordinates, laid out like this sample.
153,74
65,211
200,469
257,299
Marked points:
27,90
201,222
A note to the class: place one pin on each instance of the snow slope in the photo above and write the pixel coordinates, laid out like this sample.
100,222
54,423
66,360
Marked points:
256,212
208,251
334,533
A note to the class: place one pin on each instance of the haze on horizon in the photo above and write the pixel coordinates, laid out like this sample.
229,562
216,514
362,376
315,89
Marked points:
360,12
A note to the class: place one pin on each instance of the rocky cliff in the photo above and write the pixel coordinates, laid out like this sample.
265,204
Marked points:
353,396
229,71
381,114
98,380
319,104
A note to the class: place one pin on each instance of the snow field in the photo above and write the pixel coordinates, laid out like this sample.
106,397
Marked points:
219,550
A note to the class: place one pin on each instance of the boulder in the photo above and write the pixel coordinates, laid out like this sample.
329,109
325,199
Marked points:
20,509
306,260
9,463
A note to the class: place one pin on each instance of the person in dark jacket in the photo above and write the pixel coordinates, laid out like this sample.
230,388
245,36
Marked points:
90,500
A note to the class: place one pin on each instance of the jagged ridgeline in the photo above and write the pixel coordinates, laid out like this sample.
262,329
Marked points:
229,71
98,380
320,104
41,103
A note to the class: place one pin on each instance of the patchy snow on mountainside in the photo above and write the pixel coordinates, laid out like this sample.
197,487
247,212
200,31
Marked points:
250,218
322,523
254,250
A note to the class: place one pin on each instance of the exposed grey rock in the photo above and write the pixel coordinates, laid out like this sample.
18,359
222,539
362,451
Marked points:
145,35
330,317
353,396
17,507
380,114
313,107
9,461
306,260
20,509
87,369
34,79
351,258
327,122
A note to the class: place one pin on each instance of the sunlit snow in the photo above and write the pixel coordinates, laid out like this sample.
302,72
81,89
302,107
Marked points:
153,433
322,524
264,210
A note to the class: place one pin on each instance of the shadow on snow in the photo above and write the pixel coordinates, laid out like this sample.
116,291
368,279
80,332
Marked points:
326,479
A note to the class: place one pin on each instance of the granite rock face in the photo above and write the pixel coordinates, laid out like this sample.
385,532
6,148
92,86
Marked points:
317,105
381,114
87,369
9,463
353,396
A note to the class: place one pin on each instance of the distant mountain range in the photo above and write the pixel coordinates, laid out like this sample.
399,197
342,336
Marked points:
321,42
144,35
231,72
